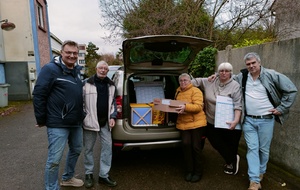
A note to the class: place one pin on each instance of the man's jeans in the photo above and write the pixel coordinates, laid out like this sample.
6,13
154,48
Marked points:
258,134
89,139
57,138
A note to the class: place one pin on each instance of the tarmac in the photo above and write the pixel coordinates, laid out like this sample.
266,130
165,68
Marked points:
23,153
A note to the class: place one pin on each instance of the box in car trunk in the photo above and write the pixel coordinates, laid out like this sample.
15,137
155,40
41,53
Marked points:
141,114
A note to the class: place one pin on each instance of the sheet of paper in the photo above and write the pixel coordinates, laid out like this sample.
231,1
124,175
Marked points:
224,112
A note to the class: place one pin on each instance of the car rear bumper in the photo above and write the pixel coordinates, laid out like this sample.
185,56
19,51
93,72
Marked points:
148,145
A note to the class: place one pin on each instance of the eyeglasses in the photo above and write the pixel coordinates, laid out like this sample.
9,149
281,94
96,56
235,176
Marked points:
102,68
71,53
226,71
184,80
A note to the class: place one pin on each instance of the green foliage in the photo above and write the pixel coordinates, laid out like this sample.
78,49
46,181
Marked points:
91,59
155,17
252,42
204,63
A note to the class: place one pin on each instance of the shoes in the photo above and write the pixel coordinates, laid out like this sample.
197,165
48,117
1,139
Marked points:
254,186
232,169
188,177
237,164
73,182
196,178
89,181
228,169
107,181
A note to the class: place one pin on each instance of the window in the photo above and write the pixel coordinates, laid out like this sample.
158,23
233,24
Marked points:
40,12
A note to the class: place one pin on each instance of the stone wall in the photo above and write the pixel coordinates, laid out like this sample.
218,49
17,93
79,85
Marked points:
284,57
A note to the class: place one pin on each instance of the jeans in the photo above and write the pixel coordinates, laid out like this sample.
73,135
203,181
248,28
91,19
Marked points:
225,141
192,150
258,134
57,138
89,139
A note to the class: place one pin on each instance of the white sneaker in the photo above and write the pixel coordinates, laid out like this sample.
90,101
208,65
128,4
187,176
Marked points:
73,182
237,164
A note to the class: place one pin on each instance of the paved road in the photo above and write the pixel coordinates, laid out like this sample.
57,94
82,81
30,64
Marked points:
23,150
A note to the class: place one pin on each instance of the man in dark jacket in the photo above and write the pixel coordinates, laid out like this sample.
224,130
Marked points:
58,104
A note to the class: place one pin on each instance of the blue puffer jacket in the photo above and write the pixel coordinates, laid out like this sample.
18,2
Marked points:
58,100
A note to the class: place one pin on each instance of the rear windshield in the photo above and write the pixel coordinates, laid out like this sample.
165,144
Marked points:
159,52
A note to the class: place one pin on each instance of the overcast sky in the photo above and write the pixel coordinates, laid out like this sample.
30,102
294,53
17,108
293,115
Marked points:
79,20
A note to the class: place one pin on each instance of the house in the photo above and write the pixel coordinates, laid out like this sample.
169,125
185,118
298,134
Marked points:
26,48
287,17
55,44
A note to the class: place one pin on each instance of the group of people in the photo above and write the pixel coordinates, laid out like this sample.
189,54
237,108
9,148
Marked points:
260,96
75,113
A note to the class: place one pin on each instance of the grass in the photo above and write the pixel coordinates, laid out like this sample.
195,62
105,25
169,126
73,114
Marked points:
12,106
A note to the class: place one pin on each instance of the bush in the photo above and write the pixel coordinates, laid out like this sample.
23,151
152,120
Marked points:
204,63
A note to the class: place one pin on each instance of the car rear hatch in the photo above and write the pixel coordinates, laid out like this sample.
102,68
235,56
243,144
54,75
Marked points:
167,53
152,65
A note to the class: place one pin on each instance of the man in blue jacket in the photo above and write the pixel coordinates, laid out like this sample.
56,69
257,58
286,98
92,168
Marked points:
58,104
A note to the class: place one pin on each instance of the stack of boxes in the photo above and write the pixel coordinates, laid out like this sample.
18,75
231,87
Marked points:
142,112
151,107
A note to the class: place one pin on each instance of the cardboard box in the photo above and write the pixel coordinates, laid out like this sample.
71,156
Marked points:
167,105
141,114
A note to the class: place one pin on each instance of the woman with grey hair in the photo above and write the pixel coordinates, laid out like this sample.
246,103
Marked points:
225,139
191,122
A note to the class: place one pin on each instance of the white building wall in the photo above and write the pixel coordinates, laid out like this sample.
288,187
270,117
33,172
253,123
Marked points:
18,42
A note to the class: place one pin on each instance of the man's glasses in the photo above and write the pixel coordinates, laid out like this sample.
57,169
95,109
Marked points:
71,53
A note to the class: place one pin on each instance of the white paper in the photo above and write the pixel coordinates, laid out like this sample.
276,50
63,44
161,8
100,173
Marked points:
224,112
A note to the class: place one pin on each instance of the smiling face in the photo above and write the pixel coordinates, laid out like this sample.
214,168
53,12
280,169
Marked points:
184,81
69,55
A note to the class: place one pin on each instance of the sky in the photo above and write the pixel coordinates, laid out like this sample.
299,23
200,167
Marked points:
79,20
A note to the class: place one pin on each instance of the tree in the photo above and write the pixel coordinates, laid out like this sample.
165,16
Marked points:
91,59
111,59
223,21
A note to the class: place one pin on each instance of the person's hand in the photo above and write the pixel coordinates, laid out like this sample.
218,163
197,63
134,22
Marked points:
211,78
37,125
275,111
232,125
180,109
112,123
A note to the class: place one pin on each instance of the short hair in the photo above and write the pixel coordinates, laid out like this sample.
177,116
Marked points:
70,43
226,66
252,55
101,63
184,75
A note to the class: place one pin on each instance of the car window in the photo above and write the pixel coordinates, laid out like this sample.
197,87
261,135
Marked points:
159,52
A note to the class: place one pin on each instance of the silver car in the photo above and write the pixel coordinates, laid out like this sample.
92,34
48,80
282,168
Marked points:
152,65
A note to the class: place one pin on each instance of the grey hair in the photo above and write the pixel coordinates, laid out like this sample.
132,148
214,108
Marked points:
70,43
226,66
101,63
184,75
252,55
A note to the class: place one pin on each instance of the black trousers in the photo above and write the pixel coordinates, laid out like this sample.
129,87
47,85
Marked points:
192,150
225,141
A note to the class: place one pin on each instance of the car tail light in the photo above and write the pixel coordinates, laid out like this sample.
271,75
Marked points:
119,107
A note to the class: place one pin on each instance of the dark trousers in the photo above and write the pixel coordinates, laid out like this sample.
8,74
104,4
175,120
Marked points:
225,141
192,149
